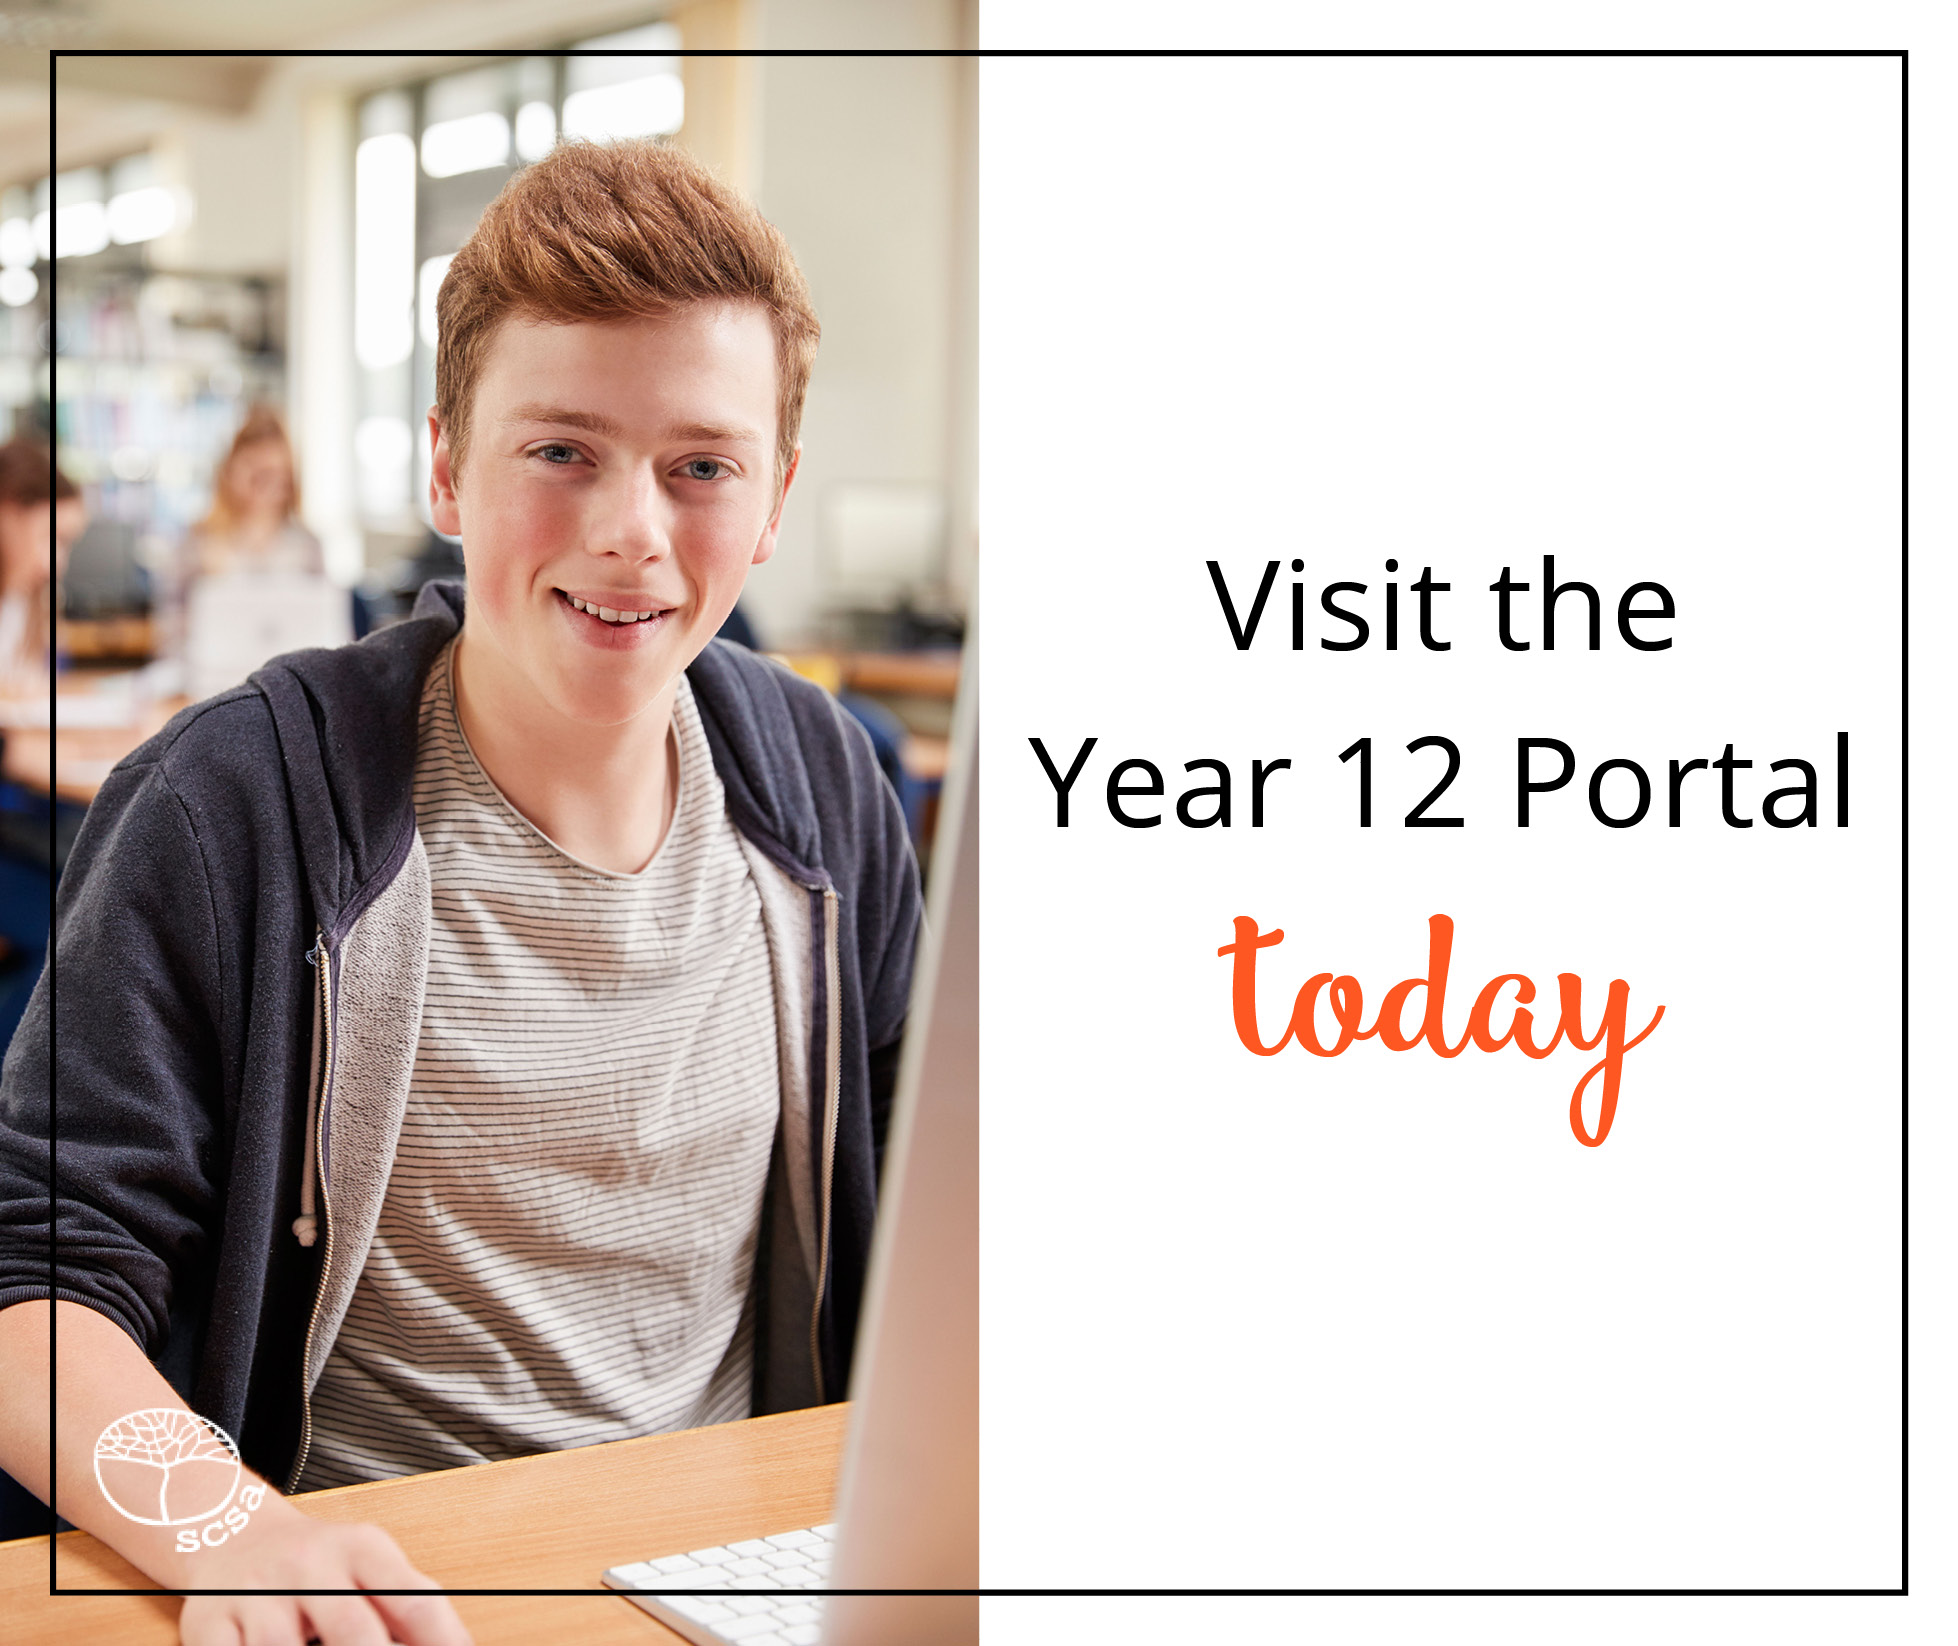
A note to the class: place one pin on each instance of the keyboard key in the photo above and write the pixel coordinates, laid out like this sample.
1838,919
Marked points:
699,1610
826,1533
793,1540
639,1575
767,1591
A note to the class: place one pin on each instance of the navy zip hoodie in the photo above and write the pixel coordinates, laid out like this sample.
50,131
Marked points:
180,1012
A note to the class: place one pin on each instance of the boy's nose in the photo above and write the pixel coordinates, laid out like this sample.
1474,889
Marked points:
635,519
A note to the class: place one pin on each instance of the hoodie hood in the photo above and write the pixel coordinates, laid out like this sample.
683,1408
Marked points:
355,708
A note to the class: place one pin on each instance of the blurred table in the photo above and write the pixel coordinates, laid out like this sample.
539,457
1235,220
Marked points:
915,692
901,674
126,639
929,676
99,720
554,1521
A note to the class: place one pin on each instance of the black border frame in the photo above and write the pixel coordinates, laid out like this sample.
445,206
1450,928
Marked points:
1904,134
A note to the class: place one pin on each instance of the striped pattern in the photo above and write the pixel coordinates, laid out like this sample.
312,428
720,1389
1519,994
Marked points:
565,1249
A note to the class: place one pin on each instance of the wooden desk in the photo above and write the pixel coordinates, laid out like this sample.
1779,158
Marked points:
555,1521
906,674
73,763
933,674
130,639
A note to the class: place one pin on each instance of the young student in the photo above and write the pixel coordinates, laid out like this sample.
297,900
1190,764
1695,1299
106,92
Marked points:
41,516
253,523
32,558
479,1040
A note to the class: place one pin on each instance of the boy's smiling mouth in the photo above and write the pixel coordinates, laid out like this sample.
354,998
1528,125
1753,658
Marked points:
613,609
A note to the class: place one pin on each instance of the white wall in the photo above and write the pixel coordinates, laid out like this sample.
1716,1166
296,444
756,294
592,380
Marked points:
241,171
858,160
321,345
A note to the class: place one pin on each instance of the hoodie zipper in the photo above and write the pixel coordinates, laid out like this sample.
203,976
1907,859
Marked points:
832,1101
317,1148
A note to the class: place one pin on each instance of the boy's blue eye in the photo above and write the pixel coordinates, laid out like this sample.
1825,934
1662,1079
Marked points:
565,454
705,468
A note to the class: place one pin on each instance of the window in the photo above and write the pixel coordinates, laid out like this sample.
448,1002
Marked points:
430,158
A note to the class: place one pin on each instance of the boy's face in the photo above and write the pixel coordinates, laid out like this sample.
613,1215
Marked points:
626,464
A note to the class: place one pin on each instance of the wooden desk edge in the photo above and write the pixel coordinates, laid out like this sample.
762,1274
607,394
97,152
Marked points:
557,1520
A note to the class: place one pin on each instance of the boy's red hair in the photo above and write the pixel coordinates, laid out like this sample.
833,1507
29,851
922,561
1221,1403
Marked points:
610,232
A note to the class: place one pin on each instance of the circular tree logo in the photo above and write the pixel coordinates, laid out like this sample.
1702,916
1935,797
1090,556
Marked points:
165,1467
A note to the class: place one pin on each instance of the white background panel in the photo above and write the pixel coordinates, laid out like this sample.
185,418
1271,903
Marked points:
1381,1320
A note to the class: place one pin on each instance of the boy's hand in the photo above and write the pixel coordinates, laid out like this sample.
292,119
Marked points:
286,1548
103,1374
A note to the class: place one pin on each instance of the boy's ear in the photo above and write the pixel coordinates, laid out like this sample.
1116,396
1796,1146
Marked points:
766,546
442,506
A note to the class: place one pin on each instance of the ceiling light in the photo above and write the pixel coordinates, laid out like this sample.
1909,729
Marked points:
536,130
80,230
475,142
649,107
141,214
16,243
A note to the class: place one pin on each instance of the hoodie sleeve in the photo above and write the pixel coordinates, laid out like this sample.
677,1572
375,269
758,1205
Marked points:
123,1154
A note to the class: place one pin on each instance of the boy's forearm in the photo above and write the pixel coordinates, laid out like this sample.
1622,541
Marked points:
102,1376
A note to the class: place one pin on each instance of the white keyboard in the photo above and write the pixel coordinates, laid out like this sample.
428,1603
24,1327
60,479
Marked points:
753,1593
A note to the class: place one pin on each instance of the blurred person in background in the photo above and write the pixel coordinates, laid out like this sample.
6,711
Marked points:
253,524
251,579
35,829
254,520
31,556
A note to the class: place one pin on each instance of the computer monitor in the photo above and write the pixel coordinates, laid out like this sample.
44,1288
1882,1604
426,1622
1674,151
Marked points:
908,1499
239,620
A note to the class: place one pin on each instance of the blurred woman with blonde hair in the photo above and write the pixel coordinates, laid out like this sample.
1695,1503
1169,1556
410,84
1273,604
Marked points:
253,524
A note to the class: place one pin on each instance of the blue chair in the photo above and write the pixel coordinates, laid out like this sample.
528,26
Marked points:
33,835
34,839
22,1514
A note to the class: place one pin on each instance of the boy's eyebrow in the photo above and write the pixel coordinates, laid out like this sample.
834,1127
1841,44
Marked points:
599,423
716,434
569,416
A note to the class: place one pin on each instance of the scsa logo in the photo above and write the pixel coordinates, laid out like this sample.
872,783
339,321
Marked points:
168,1467
236,1518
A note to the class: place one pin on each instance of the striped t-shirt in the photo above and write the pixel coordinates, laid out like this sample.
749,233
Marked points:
565,1248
